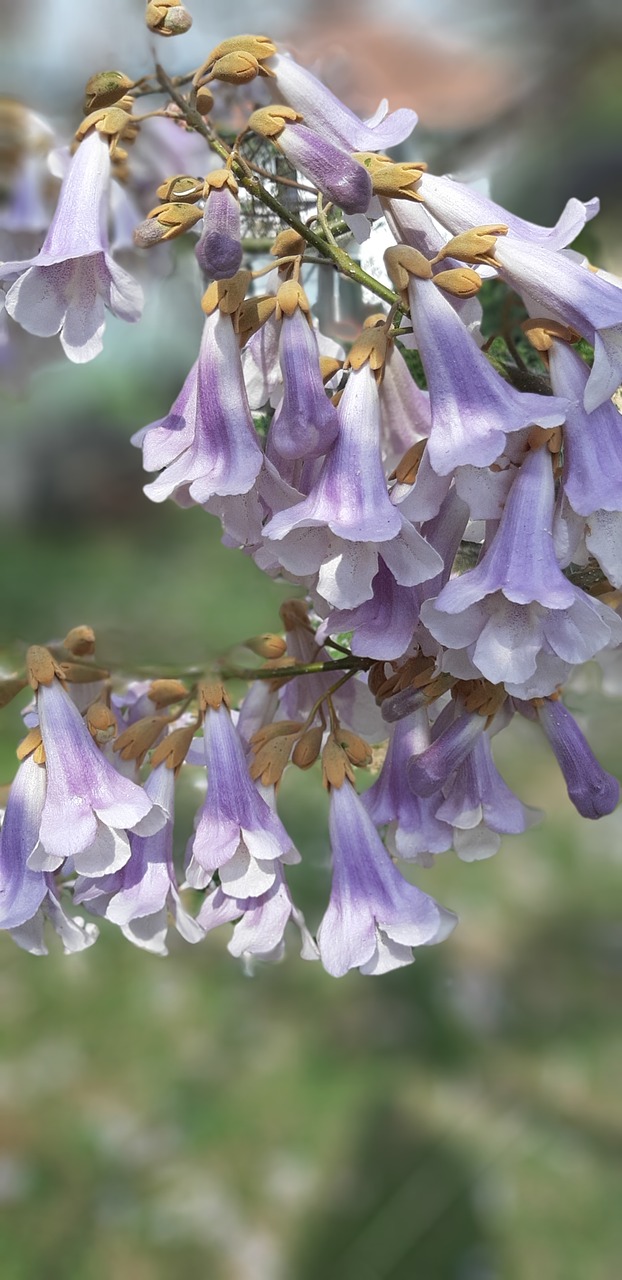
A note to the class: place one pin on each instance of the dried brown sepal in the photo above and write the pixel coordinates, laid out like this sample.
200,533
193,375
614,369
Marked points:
402,262
288,243
163,693
308,748
82,673
271,121
167,17
212,694
369,346
480,696
551,438
41,667
475,245
104,89
408,466
172,751
204,100
101,722
30,743
278,729
335,764
80,641
291,297
172,218
10,686
113,122
329,366
218,179
542,332
140,737
227,295
390,180
253,314
377,677
271,760
294,614
415,673
182,188
266,646
460,282
358,751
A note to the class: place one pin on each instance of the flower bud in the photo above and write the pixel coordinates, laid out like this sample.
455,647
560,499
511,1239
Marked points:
237,67
105,88
308,748
167,18
259,47
204,101
101,722
166,222
476,245
266,646
357,750
182,189
392,181
288,243
80,641
163,693
461,282
402,262
271,121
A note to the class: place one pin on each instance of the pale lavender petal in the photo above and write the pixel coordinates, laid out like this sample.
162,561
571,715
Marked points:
427,772
334,171
459,208
21,890
219,250
305,424
328,115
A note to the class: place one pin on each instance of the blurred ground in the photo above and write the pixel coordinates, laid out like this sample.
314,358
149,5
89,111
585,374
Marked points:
459,1120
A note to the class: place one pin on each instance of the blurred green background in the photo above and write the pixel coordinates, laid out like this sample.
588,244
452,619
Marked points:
457,1120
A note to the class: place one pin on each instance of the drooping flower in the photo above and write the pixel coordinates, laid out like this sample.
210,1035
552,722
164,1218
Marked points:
593,791
331,168
459,207
305,423
415,832
261,922
66,287
456,732
375,918
236,832
480,807
515,618
219,250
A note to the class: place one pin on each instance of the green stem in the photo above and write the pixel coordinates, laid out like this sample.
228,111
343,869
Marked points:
350,664
342,260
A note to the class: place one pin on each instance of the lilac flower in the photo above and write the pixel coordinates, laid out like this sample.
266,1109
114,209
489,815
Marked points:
374,917
207,444
456,732
333,170
28,898
404,408
236,832
519,621
330,117
473,409
593,791
555,285
140,896
459,208
305,423
219,250
480,806
592,478
414,830
66,287
348,518
88,805
261,922
382,627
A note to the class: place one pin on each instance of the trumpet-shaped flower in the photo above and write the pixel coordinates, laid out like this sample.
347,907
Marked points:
330,117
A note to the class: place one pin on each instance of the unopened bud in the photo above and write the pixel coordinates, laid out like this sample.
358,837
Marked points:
308,748
138,738
460,282
389,180
167,18
271,121
10,686
181,189
163,693
105,88
357,750
402,262
476,245
204,100
101,722
288,244
259,47
80,641
266,646
41,667
166,222
237,67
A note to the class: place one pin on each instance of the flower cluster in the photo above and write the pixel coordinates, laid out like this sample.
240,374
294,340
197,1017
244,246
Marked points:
343,474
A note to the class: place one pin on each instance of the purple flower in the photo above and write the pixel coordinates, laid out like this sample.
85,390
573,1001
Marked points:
557,286
473,409
459,208
219,250
456,732
88,805
517,619
592,477
207,444
67,286
260,931
236,832
305,423
374,917
383,626
331,169
404,408
414,830
348,518
593,791
480,806
140,896
328,116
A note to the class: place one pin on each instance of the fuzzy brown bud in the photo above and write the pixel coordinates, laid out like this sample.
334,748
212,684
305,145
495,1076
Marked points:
181,189
167,18
271,121
357,750
237,67
308,748
288,243
163,693
80,641
266,646
102,723
476,245
204,100
166,222
389,180
105,88
402,262
460,282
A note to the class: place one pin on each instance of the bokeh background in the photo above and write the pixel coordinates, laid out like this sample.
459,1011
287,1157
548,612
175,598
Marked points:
458,1120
